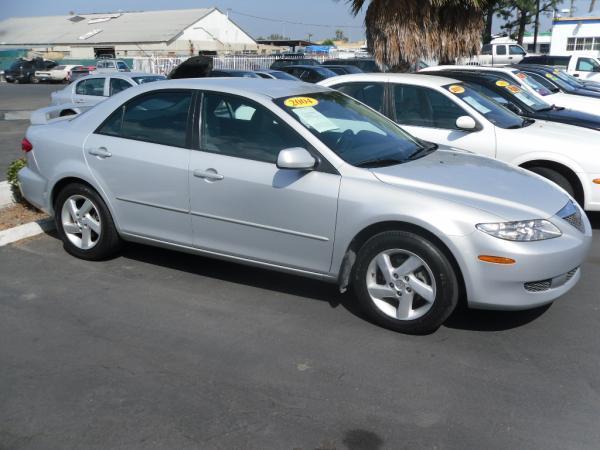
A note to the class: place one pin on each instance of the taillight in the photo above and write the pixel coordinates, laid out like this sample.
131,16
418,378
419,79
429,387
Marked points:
26,146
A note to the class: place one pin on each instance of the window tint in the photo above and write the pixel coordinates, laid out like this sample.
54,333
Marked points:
515,50
587,65
425,107
486,49
369,93
237,127
501,50
160,117
117,85
91,86
122,66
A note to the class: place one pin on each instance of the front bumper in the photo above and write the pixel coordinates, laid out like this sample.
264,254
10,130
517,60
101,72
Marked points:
544,270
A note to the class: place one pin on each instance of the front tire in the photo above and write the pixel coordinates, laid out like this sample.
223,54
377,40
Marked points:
85,224
404,282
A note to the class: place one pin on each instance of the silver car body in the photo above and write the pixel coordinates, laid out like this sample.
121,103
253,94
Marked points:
72,93
304,222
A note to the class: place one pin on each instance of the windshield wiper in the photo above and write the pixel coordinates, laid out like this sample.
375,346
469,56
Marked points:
379,162
422,151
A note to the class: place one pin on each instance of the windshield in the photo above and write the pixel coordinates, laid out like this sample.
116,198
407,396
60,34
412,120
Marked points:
357,134
324,72
148,79
537,87
492,111
568,78
523,96
283,75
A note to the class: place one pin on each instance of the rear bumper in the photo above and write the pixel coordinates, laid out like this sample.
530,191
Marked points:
34,188
544,270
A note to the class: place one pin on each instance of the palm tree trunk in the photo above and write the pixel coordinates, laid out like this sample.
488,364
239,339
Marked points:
489,20
522,26
537,25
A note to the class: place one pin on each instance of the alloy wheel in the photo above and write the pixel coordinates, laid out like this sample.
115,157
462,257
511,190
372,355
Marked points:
81,222
401,284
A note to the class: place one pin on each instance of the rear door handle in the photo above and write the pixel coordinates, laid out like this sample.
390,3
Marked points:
100,152
208,174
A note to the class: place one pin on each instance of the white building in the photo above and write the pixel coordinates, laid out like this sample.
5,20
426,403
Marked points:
572,35
127,34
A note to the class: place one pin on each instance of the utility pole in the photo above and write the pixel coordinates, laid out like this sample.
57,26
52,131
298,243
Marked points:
572,8
537,25
309,36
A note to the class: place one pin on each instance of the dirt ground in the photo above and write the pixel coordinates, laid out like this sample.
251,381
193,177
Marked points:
19,214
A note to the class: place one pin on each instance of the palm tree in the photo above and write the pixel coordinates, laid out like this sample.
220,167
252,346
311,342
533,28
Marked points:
592,4
400,32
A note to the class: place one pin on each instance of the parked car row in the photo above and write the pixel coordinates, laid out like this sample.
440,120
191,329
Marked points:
456,184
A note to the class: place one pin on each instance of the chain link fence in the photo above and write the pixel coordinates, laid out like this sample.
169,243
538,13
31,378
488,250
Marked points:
161,65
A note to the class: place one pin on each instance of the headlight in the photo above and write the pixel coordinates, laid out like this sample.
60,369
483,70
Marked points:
525,230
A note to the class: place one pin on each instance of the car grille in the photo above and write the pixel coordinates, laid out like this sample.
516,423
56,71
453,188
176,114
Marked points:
544,285
572,214
538,286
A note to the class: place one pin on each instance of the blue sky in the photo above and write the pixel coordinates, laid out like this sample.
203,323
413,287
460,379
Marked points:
331,13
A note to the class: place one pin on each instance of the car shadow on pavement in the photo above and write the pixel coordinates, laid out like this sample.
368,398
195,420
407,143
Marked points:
232,272
482,320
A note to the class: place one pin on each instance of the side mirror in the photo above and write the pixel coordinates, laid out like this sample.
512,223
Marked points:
296,158
466,123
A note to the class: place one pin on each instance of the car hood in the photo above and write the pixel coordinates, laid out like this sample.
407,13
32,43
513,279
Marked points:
544,135
479,182
573,117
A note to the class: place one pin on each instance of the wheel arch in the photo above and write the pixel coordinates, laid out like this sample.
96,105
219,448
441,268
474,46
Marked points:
369,231
564,170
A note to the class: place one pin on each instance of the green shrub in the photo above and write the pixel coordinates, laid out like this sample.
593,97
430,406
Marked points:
11,176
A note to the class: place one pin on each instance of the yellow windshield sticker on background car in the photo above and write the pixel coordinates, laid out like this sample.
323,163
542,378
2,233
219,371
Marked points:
513,89
522,75
300,102
556,71
502,83
549,75
456,89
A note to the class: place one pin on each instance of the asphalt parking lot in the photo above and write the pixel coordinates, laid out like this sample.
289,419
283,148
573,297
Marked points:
16,101
157,349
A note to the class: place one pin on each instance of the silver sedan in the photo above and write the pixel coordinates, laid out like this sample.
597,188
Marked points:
299,178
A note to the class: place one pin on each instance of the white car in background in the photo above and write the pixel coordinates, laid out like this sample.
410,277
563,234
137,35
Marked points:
56,74
449,112
93,89
574,102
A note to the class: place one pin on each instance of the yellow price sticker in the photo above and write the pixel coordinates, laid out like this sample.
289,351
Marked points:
513,89
456,89
300,102
502,83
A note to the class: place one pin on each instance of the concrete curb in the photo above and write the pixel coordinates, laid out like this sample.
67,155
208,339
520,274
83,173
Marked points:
25,231
15,115
6,194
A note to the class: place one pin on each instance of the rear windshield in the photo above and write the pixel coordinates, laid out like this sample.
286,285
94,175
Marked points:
149,79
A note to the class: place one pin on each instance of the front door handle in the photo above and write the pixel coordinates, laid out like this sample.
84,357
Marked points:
208,174
100,152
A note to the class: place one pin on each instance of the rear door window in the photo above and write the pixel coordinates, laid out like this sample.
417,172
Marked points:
370,94
160,117
117,85
91,86
501,50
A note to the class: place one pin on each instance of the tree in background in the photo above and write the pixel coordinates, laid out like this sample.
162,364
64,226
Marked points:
521,13
328,42
340,36
492,9
401,32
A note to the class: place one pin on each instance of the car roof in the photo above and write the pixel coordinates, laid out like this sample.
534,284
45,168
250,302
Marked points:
409,78
244,86
489,76
471,68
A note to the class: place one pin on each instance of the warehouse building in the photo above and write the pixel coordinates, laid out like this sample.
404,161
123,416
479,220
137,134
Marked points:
128,34
571,35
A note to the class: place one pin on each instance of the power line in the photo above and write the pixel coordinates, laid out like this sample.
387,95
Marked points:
269,19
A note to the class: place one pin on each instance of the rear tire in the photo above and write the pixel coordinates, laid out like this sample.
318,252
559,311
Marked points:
85,224
557,178
417,289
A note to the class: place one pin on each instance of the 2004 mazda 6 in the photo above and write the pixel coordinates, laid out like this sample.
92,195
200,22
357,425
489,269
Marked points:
303,179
